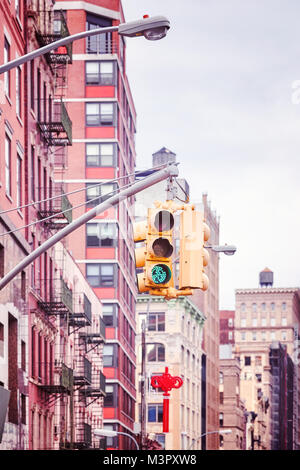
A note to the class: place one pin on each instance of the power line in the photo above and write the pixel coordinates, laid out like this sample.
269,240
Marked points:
78,190
62,212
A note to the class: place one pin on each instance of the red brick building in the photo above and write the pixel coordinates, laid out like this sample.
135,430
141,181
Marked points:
13,245
227,326
100,104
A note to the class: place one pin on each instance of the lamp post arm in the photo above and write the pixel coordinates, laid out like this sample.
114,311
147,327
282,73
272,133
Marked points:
170,170
54,45
131,437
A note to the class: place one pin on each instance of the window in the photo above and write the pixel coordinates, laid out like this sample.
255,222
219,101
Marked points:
7,74
283,321
95,194
8,165
273,336
101,275
254,307
19,181
247,360
108,355
101,114
18,91
283,336
101,154
32,82
272,306
221,419
243,322
221,378
110,314
161,438
1,340
156,321
283,306
264,321
99,73
263,306
273,321
155,413
101,43
101,235
109,398
243,307
23,356
18,9
258,360
243,336
254,321
254,336
32,176
155,352
2,270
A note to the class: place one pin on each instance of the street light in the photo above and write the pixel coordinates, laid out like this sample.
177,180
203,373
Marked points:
110,433
228,250
152,28
220,431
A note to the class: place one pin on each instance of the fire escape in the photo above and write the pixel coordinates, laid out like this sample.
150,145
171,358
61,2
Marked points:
55,210
55,126
88,378
73,388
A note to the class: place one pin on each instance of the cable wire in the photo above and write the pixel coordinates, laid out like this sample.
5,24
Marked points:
78,190
62,212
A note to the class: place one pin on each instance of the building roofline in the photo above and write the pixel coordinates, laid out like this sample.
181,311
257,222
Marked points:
269,290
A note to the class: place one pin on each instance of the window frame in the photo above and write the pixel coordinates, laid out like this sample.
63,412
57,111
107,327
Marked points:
100,80
100,276
100,239
100,156
99,120
97,199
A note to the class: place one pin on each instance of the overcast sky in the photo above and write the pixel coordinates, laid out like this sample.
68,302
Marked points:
222,91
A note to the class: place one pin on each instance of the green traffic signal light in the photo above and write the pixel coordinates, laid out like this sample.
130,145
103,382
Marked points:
161,273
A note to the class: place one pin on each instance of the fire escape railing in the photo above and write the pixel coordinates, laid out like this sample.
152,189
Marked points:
59,301
52,26
56,210
56,127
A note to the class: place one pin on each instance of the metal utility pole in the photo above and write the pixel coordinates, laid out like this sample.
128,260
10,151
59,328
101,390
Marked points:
170,170
143,385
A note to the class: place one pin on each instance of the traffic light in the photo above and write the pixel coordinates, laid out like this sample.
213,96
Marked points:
193,256
155,257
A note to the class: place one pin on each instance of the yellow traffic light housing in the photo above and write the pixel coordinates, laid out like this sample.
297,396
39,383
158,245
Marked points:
156,256
193,256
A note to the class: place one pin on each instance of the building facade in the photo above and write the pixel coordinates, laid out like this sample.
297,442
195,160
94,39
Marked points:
173,336
232,408
102,158
264,315
14,344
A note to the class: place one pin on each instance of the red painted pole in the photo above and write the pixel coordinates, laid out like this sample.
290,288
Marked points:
166,415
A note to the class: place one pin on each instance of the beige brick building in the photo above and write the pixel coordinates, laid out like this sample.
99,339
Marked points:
173,337
232,408
264,315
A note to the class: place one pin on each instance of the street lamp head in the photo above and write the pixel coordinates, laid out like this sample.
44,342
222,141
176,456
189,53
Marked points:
105,433
152,28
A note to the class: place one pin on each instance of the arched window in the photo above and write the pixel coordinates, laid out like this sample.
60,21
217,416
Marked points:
155,352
